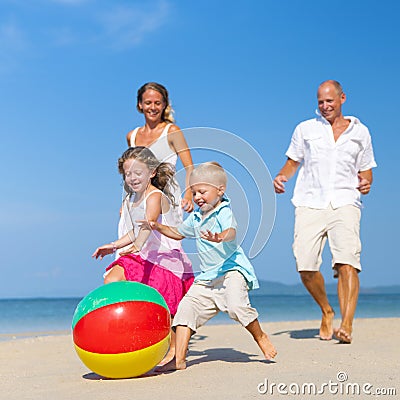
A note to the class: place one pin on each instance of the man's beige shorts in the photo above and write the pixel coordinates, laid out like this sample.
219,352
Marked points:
228,293
341,226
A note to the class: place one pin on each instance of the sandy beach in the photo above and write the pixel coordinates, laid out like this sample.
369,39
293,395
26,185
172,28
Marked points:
223,363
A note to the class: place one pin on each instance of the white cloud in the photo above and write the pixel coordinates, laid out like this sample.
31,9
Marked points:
113,25
128,26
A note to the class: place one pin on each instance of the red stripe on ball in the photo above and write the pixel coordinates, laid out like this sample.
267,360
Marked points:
122,327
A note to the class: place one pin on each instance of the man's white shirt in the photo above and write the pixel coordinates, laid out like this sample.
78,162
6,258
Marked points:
329,170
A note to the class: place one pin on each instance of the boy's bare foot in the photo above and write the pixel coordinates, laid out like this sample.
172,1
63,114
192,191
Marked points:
326,328
173,365
266,346
343,336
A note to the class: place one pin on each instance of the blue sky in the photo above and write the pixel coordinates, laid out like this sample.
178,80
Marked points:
69,72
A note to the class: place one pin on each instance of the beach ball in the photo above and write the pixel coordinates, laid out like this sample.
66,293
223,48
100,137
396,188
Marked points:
121,329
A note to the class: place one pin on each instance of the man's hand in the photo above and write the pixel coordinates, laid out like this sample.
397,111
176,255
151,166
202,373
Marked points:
364,185
279,185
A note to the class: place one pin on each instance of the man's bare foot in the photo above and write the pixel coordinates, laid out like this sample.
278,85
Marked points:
266,346
168,357
173,365
343,336
326,328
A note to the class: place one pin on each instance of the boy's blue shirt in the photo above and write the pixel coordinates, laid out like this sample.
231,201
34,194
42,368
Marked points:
216,259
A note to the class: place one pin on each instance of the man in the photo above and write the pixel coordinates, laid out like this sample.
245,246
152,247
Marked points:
336,158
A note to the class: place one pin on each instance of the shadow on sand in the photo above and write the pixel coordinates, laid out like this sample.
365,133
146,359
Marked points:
300,333
225,354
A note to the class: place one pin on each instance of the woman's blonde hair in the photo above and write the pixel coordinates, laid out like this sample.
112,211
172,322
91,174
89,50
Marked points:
164,172
167,114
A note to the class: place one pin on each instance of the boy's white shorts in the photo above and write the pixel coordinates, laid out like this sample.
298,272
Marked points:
228,293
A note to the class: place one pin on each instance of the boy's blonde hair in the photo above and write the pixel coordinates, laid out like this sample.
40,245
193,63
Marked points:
210,173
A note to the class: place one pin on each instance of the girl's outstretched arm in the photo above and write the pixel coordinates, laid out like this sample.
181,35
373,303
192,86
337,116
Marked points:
110,248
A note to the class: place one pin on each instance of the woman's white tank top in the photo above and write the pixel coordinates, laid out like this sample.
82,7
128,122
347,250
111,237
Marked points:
160,147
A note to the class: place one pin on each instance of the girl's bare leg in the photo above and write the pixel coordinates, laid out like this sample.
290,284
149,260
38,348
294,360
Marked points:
115,274
171,352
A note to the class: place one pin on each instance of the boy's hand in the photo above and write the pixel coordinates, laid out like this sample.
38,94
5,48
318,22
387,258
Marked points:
212,237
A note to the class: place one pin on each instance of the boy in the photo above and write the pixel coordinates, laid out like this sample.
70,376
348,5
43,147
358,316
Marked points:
226,273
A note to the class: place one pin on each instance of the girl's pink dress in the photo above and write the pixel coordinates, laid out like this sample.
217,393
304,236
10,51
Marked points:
161,263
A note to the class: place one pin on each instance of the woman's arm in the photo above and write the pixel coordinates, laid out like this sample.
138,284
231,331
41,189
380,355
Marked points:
178,142
128,138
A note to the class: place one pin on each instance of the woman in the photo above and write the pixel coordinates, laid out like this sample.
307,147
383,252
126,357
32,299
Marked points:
165,140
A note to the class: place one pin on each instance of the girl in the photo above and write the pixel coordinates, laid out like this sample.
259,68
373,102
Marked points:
147,256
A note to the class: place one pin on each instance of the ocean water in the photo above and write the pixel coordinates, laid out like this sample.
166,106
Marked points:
25,317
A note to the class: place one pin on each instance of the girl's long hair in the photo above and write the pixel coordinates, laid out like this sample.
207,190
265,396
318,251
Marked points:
164,172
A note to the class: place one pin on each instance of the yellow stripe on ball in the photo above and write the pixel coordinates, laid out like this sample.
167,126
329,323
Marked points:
125,365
